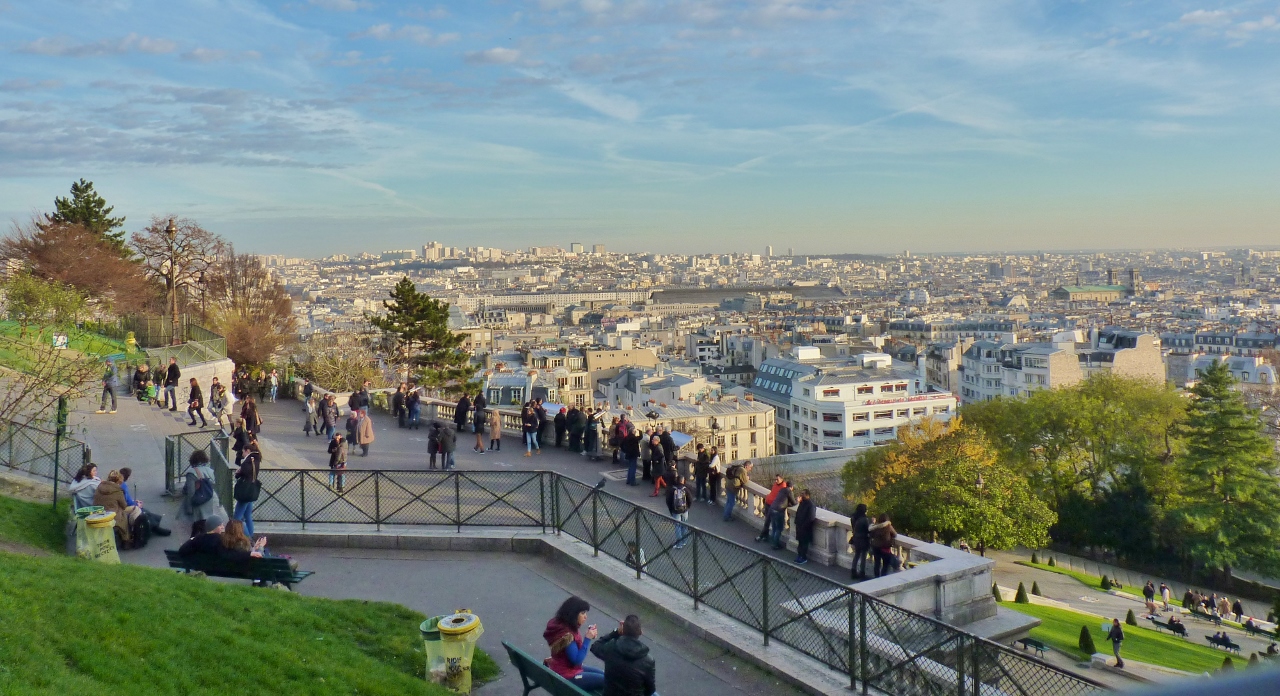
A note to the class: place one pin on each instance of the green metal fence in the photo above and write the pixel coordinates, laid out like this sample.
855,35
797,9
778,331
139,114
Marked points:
177,456
870,642
41,453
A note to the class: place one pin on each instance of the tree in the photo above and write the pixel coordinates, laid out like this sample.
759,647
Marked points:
340,361
1130,618
33,301
249,307
418,325
72,254
1231,508
1086,641
89,210
179,262
1020,597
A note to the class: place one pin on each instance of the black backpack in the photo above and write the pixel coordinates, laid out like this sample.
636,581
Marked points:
733,473
203,492
680,499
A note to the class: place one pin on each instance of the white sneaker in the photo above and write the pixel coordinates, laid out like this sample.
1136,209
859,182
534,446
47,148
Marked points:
100,411
111,411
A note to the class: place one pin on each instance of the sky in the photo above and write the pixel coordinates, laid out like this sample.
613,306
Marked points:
312,127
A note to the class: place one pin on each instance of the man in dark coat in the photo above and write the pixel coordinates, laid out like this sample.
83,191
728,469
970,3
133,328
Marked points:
461,412
562,426
668,445
628,668
477,422
171,377
806,516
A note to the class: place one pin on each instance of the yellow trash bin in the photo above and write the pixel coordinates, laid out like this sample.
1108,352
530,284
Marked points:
458,635
96,538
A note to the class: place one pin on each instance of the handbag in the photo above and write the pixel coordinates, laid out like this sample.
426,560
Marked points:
247,490
203,492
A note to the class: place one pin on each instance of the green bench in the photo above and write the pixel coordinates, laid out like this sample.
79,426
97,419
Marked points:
1176,629
1034,644
536,675
262,570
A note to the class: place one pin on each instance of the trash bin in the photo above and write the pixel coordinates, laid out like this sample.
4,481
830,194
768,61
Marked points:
96,538
434,649
458,635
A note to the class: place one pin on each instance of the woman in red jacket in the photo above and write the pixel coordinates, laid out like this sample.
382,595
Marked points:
569,648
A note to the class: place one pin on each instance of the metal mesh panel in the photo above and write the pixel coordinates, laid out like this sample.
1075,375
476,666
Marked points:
910,654
178,450
417,497
573,509
730,579
617,519
280,499
498,498
30,450
665,563
809,613
324,502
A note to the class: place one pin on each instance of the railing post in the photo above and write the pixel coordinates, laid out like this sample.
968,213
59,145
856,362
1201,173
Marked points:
960,681
639,554
302,497
863,654
377,500
975,674
764,594
696,535
555,502
457,499
851,661
542,502
595,533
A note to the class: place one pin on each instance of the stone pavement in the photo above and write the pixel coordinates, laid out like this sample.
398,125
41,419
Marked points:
399,448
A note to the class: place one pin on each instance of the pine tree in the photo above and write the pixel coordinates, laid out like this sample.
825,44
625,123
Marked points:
419,326
1034,558
1035,588
1105,584
1130,619
1051,563
88,209
1021,596
1086,641
1232,499
995,592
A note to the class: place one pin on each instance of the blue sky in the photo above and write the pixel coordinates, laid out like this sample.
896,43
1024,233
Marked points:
322,126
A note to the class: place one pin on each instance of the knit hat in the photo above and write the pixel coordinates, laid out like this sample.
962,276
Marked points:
214,521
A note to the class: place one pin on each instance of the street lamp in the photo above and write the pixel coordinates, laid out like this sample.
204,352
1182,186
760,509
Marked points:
172,233
981,486
713,424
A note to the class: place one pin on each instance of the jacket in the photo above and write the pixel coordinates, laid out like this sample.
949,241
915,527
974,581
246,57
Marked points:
140,379
783,500
882,535
563,640
703,466
668,445
477,407
773,493
655,452
337,454
461,411
82,491
806,515
628,668
172,375
495,423
631,446
1116,634
109,378
359,399
448,440
561,422
364,431
199,512
329,414
672,506
211,545
195,398
111,497
861,537
529,422
741,478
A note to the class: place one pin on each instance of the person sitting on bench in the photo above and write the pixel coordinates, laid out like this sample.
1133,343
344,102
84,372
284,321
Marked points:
628,668
216,542
569,648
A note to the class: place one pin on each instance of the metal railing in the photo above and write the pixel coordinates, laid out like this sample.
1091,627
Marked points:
872,642
177,456
41,453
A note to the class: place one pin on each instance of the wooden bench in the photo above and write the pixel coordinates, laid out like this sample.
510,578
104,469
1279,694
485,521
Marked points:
1177,629
1034,644
1254,630
1224,643
262,570
536,675
1200,613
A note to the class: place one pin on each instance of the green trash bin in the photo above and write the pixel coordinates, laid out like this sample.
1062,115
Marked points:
433,648
458,635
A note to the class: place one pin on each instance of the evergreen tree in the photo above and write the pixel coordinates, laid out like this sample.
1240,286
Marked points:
1021,595
89,210
419,326
1086,641
995,592
1231,509
1130,618
1035,588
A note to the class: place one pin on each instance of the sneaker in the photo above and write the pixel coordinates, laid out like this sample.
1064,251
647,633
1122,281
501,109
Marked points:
100,411
111,411
801,561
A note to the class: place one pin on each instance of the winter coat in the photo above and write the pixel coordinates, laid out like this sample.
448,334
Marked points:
783,500
561,422
628,668
111,497
329,414
703,466
461,411
172,375
668,445
559,637
477,407
195,398
495,424
448,441
337,454
861,536
882,535
82,491
631,446
199,512
805,517
364,431
529,422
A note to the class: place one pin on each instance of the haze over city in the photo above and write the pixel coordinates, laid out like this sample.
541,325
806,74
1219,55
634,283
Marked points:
338,126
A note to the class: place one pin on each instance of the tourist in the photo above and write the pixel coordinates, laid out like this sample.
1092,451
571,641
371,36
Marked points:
860,540
171,377
156,390
217,401
737,478
656,460
108,388
413,403
631,455
1272,649
141,379
541,412
360,399
714,476
478,406
635,556
461,412
615,439
529,426
885,561
237,540
399,407
591,434
240,437
561,425
353,429
307,388
154,520
312,422
778,485
679,498
448,443
109,495
249,412
195,404
433,444
701,467
338,462
274,381
665,479
206,537
668,444
200,492
495,430
1238,609
364,429
628,668
247,486
569,647
1116,636
577,423
777,513
1149,596
84,485
329,414
1165,593
802,525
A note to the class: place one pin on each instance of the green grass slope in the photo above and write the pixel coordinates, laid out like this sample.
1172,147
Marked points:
73,626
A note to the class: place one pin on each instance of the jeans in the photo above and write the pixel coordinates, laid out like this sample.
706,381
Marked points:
244,513
329,430
682,530
108,391
589,679
631,470
778,519
884,562
274,389
446,460
415,412
730,499
1115,650
531,441
337,477
700,488
715,488
171,397
859,566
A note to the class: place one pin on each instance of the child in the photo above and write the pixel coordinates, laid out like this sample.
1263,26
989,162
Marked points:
634,556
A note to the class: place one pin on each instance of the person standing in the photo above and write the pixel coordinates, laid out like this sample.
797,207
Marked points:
778,484
785,500
171,377
495,430
338,462
736,479
656,462
701,467
108,388
562,426
247,487
1116,636
1165,594
195,404
577,422
628,668
884,561
200,490
413,403
329,415
364,430
353,429
399,407
529,426
360,400
274,381
448,443
669,446
541,412
860,540
249,414
240,437
631,454
433,445
802,524
307,388
678,501
312,424
714,477
462,412
478,417
217,401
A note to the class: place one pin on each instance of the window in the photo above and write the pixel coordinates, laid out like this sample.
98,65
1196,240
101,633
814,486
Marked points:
720,441
866,390
919,411
880,415
751,422
947,409
858,416
753,453
831,417
858,433
832,433
733,440
903,413
733,455
580,400
752,438
806,391
831,392
886,388
899,387
884,431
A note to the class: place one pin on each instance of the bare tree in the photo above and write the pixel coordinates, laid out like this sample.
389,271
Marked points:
341,361
177,252
248,306
77,256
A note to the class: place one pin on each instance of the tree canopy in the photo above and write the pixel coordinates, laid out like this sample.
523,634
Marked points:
418,326
85,207
248,306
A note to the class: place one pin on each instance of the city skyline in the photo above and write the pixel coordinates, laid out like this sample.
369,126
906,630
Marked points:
340,126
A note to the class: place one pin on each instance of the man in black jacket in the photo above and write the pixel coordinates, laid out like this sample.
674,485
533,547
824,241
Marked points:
628,669
562,425
171,378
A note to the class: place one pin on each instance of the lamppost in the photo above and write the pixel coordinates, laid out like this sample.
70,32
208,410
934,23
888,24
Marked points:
171,232
713,424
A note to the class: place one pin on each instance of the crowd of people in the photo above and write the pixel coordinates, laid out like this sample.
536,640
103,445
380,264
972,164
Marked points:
134,524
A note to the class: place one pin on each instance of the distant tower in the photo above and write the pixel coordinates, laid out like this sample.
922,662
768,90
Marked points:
791,251
597,249
768,251
1111,276
1135,282
575,247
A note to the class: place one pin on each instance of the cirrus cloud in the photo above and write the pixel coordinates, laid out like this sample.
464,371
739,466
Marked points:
493,56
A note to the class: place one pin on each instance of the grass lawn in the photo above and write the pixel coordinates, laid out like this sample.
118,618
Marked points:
72,626
34,524
77,340
1060,628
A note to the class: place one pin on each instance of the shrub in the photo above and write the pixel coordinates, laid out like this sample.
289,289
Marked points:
1106,584
1021,596
1035,588
1086,641
1130,618
1228,665
1034,559
995,591
1051,563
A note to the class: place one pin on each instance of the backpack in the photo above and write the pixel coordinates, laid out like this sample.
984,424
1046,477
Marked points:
734,474
680,499
203,492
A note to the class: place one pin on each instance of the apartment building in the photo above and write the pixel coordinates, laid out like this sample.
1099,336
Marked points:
1017,369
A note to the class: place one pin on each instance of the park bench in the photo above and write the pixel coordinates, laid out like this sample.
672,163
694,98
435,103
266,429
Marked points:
1224,643
1253,630
1034,644
1177,629
536,675
1199,612
262,570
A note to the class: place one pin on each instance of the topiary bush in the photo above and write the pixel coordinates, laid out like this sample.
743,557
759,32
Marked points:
1035,588
1253,660
1105,584
1033,557
995,592
1021,596
1051,563
1130,618
1086,641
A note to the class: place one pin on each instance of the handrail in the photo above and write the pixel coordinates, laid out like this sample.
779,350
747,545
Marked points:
875,643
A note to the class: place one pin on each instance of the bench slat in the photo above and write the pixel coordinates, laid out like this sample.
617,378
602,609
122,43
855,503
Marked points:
262,569
535,675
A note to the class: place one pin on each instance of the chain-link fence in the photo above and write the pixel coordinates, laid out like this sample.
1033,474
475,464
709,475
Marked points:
871,642
177,456
41,453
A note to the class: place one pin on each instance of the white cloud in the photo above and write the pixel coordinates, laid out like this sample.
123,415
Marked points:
1205,17
415,33
494,56
1266,23
611,105
63,46
342,5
